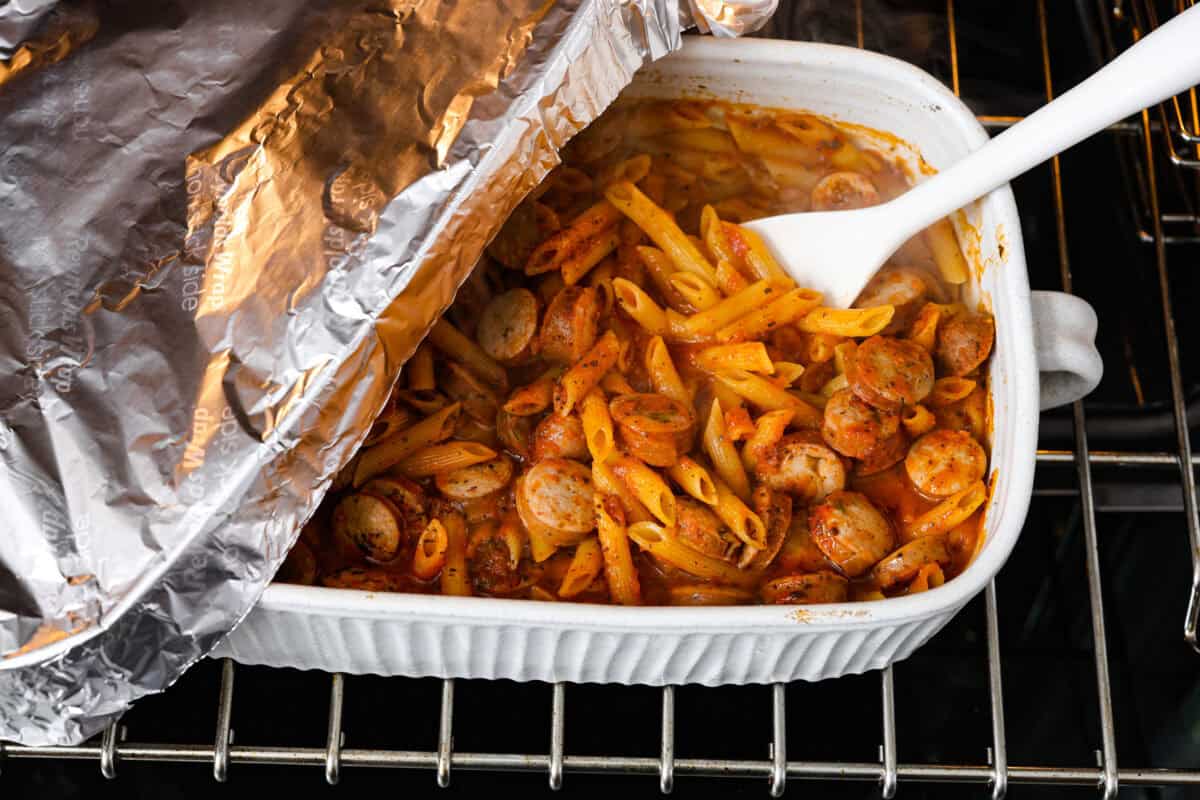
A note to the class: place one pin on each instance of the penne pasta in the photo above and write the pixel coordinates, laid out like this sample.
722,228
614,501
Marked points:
724,456
729,280
948,514
768,430
660,268
551,253
923,329
606,481
787,373
783,310
615,383
455,580
757,257
589,253
857,322
917,420
637,304
843,354
584,569
699,293
647,486
623,583
663,375
429,555
737,516
533,398
694,479
453,343
597,425
663,543
420,369
435,459
391,451
585,373
661,229
949,390
747,356
732,308
946,253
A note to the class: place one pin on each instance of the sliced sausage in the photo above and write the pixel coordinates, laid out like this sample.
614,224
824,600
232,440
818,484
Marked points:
802,465
903,288
369,523
530,224
851,532
890,373
840,191
367,579
508,326
702,530
557,436
407,497
964,342
853,427
904,564
477,480
942,462
515,433
809,589
800,553
571,324
775,510
653,427
885,455
556,493
492,569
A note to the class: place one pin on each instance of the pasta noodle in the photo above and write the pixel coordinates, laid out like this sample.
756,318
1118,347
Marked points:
619,571
586,373
725,459
454,577
661,229
584,569
694,479
597,425
395,449
859,322
437,458
663,375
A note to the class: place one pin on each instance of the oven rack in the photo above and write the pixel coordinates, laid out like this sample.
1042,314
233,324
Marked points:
1175,126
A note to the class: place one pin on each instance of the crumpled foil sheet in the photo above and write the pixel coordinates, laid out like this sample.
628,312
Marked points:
223,228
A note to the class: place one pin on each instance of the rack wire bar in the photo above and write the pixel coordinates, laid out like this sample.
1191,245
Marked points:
582,764
778,749
224,737
887,751
557,726
666,766
334,741
445,734
998,752
1109,781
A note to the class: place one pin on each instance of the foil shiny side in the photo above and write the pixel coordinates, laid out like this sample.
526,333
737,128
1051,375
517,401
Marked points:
224,229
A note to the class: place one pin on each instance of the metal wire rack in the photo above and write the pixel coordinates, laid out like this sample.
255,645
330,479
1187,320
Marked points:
1171,131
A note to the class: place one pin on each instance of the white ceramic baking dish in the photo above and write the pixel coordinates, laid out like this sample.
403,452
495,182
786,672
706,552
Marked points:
417,635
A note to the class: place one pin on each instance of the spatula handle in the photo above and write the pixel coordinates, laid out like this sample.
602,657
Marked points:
1162,64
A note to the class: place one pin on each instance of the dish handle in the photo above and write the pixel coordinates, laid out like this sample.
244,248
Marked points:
1064,335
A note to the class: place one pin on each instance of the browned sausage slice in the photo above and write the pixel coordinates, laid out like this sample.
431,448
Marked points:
808,589
889,373
557,436
943,462
839,191
851,532
854,427
369,579
802,465
556,493
508,325
571,324
964,342
477,480
370,523
702,530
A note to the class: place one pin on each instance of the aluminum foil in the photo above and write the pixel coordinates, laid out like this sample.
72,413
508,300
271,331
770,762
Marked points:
223,228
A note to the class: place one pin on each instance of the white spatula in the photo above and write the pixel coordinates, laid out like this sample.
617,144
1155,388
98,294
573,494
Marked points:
837,252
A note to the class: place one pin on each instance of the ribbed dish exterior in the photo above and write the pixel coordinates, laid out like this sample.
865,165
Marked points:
456,650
